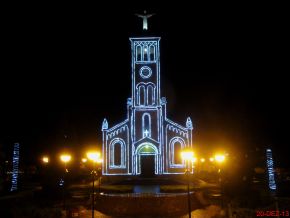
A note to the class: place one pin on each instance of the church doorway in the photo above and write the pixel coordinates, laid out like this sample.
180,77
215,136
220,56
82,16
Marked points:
147,165
146,160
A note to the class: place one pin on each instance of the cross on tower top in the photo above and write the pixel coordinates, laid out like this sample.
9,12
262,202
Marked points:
145,17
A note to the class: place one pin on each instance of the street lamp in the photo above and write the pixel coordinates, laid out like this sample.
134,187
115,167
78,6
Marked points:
95,157
45,159
220,158
65,158
100,161
187,156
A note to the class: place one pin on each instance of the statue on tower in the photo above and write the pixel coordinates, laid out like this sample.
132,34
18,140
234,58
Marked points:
145,17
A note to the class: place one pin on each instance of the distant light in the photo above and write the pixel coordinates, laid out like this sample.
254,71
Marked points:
202,159
211,159
94,156
187,155
61,182
65,158
84,160
220,158
100,160
45,159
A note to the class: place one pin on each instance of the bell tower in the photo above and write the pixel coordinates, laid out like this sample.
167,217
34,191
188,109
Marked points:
145,61
145,72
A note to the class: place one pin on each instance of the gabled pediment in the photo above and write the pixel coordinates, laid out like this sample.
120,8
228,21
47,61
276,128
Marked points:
144,140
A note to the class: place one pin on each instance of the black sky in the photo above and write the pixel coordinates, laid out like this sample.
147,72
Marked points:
66,67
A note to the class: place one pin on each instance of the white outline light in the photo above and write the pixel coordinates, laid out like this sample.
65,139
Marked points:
15,171
146,130
270,166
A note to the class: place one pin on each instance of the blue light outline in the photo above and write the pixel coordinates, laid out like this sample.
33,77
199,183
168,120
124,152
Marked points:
149,125
166,129
270,166
172,142
142,70
145,87
15,171
112,152
137,157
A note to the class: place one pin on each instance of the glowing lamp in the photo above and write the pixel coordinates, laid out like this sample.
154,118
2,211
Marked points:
65,158
94,156
187,155
100,160
45,159
219,158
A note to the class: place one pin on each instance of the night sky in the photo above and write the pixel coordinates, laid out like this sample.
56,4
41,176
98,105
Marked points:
66,67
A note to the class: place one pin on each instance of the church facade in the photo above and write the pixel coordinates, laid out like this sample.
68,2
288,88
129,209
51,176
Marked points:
146,142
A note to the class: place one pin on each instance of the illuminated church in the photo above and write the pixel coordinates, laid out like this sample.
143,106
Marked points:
146,142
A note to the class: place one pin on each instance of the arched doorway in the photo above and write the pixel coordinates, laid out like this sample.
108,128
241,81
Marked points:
146,160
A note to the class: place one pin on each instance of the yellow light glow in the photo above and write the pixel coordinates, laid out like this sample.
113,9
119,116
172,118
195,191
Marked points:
187,155
84,160
211,159
100,160
202,160
194,159
219,158
65,158
45,159
94,156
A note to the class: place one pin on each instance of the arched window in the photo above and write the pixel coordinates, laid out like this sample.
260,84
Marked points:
117,154
152,53
142,95
177,147
146,125
150,95
138,53
145,52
